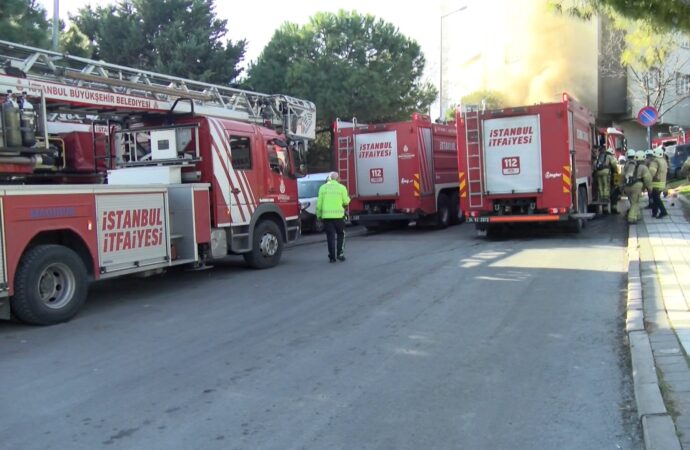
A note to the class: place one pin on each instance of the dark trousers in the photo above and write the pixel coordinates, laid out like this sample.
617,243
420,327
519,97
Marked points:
334,228
657,204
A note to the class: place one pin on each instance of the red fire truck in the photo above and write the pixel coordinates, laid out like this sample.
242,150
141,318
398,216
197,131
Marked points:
675,136
108,171
399,172
526,164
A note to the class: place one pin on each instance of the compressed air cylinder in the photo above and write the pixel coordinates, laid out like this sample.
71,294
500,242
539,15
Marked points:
27,122
12,126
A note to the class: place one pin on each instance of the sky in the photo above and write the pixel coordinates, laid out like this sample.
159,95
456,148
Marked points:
256,21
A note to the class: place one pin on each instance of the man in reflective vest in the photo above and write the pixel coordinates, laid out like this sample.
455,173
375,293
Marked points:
330,209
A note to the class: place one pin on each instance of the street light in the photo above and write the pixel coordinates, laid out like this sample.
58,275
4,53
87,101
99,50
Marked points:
56,23
440,87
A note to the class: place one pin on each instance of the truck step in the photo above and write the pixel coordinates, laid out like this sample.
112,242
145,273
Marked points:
586,216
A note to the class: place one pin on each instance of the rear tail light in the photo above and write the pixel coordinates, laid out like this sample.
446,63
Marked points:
553,210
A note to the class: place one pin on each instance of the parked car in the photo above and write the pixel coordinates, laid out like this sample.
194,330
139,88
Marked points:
676,160
308,191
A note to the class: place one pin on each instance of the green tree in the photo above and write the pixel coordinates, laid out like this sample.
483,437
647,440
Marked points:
175,37
24,22
75,43
349,65
671,14
484,98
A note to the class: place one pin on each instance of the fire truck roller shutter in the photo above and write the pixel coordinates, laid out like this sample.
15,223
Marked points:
50,286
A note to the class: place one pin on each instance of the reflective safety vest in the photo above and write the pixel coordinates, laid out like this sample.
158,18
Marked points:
332,201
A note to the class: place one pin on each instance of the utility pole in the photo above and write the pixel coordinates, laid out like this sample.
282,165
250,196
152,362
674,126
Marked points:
56,23
440,86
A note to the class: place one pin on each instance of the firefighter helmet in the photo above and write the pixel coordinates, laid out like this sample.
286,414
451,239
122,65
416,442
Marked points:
610,151
659,152
649,153
640,155
630,154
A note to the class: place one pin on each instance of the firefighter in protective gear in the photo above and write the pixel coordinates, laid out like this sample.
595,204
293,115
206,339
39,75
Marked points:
636,176
330,209
658,168
604,167
649,157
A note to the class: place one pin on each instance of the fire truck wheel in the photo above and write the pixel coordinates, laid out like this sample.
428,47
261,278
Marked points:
267,246
442,212
50,285
455,212
577,225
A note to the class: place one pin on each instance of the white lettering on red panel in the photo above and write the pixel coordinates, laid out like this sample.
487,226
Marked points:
81,95
128,229
447,146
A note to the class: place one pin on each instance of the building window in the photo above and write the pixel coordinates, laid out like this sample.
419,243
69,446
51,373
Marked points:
685,43
653,79
241,152
682,84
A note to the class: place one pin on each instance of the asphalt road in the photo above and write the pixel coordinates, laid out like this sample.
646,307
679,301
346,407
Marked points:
421,340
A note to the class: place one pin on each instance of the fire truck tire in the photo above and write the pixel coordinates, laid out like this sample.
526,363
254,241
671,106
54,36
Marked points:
50,285
442,212
267,246
456,215
577,225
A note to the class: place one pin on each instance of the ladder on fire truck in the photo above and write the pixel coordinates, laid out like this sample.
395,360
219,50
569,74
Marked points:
475,185
345,149
54,75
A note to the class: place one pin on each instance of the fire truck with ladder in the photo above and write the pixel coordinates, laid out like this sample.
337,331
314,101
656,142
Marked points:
399,172
107,171
526,164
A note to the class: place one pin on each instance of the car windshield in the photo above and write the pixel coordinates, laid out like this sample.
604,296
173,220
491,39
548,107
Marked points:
309,188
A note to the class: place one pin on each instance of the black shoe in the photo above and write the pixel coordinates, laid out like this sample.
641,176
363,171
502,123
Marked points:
341,258
332,260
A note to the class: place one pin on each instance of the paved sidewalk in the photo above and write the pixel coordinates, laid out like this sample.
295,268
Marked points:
659,320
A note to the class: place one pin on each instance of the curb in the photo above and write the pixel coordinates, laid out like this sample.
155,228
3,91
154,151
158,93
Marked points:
658,429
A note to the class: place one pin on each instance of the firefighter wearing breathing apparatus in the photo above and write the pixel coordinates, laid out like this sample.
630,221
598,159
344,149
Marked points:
604,167
635,177
658,168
